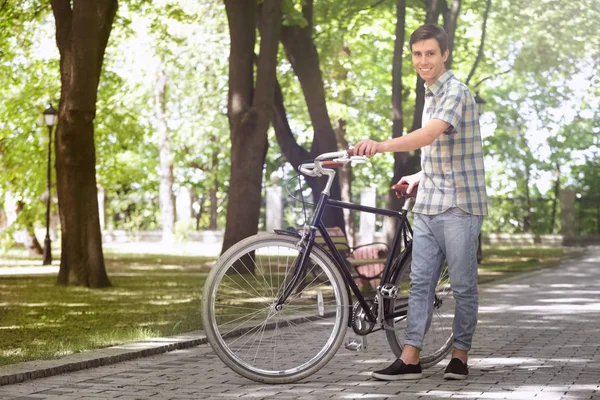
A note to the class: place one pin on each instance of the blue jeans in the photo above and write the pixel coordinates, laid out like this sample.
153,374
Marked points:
453,236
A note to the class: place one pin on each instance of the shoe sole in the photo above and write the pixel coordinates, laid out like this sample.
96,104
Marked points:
399,377
454,377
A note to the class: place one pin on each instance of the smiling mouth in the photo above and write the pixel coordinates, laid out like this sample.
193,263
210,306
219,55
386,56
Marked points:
425,69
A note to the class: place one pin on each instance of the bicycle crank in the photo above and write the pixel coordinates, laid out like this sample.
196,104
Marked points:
360,322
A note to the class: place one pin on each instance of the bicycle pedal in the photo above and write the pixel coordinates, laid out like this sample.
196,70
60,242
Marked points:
388,291
357,344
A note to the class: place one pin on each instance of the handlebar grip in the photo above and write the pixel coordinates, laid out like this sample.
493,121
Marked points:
331,164
400,190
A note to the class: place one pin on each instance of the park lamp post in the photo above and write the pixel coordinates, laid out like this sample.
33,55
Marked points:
50,118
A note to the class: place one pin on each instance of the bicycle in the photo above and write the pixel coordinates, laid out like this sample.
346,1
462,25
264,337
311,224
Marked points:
276,306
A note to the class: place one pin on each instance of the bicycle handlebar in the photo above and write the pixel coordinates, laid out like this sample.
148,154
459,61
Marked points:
324,163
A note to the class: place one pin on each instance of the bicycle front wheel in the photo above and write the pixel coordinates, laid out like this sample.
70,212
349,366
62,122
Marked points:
254,338
438,339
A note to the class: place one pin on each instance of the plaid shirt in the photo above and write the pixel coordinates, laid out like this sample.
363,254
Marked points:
453,172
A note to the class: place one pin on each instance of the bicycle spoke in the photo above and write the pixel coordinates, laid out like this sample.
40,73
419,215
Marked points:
254,337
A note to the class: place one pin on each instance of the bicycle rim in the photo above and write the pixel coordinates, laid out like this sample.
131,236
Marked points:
244,328
438,339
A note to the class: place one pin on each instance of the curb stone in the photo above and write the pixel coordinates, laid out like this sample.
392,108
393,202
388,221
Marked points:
17,373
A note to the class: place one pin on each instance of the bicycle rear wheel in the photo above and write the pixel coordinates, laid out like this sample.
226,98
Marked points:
438,338
249,334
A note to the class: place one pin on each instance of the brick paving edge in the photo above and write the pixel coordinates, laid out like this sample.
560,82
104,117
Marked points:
17,373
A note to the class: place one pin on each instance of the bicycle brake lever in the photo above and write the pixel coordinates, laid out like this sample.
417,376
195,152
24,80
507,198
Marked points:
342,160
351,159
358,159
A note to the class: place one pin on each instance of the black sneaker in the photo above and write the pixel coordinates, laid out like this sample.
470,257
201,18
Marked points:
456,370
399,371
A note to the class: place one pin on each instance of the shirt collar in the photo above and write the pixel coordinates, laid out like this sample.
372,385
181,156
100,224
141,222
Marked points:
439,83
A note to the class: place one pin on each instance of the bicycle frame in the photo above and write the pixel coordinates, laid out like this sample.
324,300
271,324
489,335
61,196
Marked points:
308,237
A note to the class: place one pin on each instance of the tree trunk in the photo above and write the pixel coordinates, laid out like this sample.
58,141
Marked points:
167,204
212,196
555,199
302,54
198,215
82,32
249,111
405,163
29,240
527,216
345,179
214,188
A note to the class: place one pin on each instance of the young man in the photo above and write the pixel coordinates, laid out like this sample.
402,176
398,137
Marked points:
450,205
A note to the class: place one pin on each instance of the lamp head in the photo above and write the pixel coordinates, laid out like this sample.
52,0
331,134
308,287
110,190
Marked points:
50,116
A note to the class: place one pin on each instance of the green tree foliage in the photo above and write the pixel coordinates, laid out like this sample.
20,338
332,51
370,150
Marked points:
190,40
28,82
541,62
538,74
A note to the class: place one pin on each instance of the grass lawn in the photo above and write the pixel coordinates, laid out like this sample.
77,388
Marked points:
502,262
151,296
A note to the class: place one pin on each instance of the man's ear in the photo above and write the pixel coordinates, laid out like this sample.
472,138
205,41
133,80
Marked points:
446,55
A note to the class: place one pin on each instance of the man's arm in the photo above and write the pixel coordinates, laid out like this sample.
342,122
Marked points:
415,140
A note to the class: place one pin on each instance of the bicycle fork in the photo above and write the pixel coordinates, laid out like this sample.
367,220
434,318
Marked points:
305,245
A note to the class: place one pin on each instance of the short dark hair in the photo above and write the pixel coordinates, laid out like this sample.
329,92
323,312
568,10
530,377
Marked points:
430,31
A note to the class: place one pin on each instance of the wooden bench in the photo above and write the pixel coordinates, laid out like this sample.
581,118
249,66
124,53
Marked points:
365,261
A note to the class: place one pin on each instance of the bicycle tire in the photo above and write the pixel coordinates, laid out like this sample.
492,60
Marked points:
245,330
438,339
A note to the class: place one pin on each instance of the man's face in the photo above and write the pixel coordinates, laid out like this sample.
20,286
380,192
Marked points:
428,60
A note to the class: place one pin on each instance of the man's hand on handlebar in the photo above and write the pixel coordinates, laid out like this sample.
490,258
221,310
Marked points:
367,147
411,180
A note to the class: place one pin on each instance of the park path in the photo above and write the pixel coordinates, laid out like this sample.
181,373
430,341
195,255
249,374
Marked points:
538,338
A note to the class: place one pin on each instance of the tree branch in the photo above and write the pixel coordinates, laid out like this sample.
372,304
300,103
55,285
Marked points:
242,26
488,4
450,22
63,15
433,10
270,29
377,3
294,153
491,76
